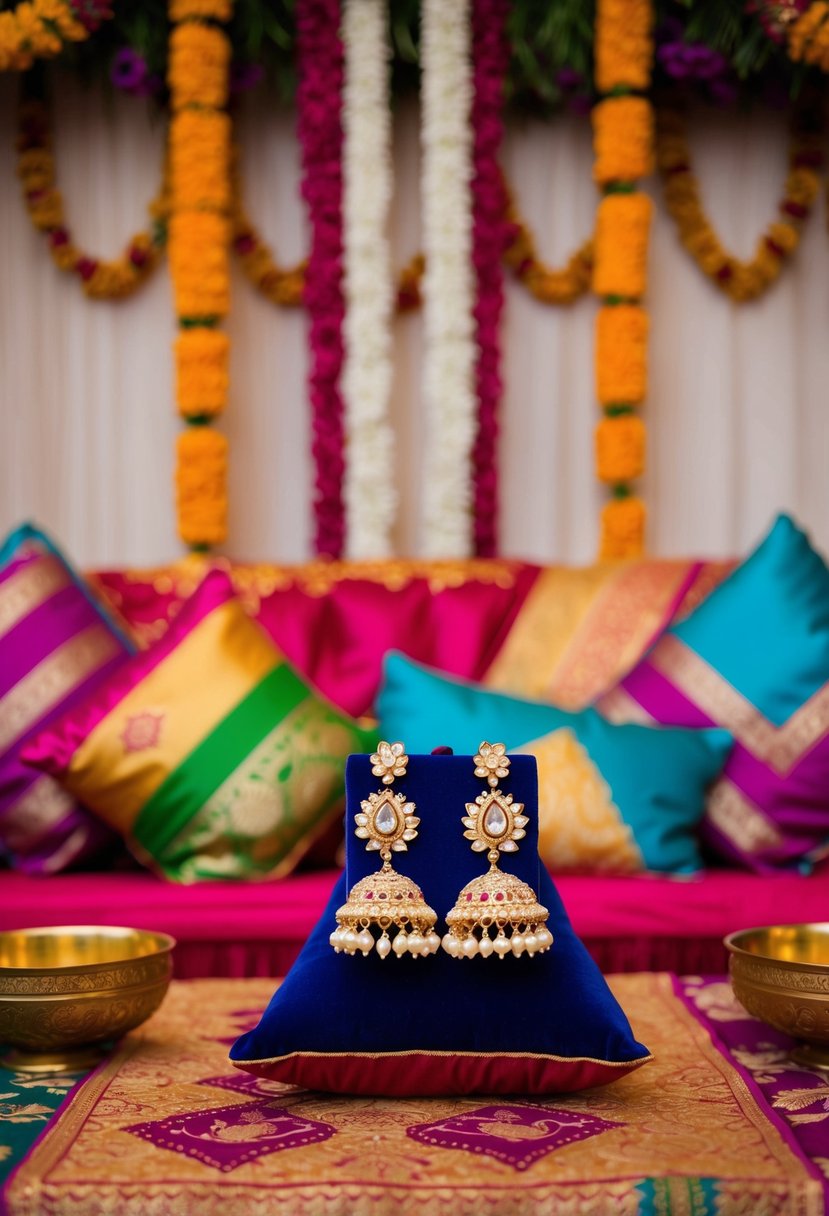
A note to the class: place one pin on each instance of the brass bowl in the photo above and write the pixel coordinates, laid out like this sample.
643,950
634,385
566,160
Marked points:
66,990
780,973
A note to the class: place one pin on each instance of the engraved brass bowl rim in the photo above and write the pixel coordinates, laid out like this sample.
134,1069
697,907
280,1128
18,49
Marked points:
68,990
161,944
775,980
734,942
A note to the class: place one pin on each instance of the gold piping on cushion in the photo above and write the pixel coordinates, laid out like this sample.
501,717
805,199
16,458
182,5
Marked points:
780,747
53,679
28,588
437,1055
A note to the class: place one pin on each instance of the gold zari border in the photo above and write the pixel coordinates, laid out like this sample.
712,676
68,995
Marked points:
780,747
28,588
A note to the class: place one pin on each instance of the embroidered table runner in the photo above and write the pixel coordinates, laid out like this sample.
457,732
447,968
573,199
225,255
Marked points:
167,1125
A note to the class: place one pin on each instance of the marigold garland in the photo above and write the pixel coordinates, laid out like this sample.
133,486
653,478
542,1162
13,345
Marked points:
283,286
623,139
199,239
623,47
100,278
741,279
809,36
549,285
623,145
201,480
621,355
41,29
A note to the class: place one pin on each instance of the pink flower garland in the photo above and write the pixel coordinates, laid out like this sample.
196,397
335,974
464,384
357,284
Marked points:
490,51
319,101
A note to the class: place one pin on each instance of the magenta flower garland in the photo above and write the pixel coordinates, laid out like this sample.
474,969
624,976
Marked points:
490,55
319,127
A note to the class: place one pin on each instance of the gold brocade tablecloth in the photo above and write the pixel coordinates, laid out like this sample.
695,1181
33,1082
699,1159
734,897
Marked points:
168,1126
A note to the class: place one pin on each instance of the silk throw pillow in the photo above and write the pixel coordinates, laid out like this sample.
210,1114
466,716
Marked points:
754,658
207,751
613,799
441,1025
56,644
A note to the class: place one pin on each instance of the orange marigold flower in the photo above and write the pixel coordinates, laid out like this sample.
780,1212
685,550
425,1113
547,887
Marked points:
621,354
201,486
622,227
193,10
200,160
198,250
623,528
623,46
622,139
201,371
620,448
198,66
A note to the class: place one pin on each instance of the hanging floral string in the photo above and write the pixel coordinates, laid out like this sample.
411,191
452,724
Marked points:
490,57
42,29
370,482
740,279
548,284
200,135
448,289
281,285
319,99
101,279
623,145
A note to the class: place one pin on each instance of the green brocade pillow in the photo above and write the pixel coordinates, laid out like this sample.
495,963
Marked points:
612,799
208,752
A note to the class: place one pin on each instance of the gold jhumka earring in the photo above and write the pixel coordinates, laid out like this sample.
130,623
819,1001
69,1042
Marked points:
386,900
496,901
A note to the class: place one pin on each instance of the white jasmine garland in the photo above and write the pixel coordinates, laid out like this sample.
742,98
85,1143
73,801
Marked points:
370,487
448,287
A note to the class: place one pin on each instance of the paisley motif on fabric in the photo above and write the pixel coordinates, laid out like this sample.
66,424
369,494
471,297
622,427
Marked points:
579,825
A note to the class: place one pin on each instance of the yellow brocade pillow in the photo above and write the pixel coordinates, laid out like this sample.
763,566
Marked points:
208,752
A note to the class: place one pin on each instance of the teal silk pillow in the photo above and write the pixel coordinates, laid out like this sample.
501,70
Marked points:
753,658
612,798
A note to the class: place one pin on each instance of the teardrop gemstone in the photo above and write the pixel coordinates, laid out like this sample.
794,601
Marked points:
386,821
495,821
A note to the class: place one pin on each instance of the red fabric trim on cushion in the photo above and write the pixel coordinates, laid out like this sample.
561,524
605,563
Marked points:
438,1074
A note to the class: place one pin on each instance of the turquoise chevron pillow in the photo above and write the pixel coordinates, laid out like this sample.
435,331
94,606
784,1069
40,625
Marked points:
613,799
752,658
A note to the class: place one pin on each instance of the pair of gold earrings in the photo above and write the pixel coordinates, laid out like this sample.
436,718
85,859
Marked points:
495,903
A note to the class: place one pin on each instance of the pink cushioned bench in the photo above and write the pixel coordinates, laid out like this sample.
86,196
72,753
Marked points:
226,929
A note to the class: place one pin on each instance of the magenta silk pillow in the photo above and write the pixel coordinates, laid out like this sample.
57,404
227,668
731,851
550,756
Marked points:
753,658
56,645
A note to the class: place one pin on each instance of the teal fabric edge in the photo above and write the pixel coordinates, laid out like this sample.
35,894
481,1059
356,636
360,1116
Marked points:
775,603
655,1196
30,532
657,776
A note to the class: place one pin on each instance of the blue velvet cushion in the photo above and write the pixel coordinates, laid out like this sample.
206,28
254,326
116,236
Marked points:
439,1025
639,789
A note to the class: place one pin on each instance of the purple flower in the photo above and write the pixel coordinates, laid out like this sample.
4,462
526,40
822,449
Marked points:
568,79
245,76
684,60
128,70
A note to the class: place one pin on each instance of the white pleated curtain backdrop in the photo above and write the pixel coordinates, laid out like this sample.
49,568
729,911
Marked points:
737,412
